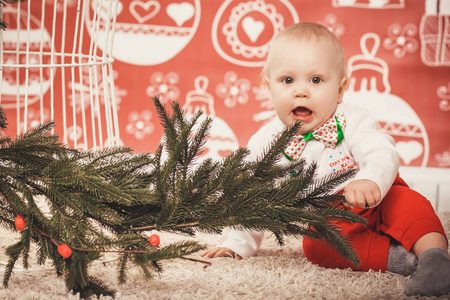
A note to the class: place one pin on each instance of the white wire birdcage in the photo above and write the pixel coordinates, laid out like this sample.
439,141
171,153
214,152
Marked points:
56,64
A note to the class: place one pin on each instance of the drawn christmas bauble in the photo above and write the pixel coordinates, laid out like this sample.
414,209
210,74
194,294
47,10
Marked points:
17,87
242,30
221,140
146,32
395,117
369,88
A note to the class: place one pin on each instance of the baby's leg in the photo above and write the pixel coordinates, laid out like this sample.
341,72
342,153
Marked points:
400,260
372,249
409,218
432,277
376,252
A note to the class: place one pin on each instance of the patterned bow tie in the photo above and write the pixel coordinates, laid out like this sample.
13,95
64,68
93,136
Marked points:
330,134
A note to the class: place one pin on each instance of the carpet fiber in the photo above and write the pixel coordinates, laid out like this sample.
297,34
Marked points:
276,273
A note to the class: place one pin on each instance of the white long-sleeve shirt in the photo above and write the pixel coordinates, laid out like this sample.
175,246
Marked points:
364,148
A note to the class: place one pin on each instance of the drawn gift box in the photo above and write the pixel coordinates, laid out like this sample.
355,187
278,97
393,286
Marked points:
370,4
435,33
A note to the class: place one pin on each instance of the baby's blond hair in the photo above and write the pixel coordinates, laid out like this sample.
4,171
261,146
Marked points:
306,31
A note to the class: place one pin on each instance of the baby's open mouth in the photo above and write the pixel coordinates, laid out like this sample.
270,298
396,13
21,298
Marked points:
301,112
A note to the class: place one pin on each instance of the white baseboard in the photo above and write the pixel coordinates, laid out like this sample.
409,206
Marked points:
433,183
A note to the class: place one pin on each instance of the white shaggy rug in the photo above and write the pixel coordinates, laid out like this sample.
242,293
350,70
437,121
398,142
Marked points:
276,273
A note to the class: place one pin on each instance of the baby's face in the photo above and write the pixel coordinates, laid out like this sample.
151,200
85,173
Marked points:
306,81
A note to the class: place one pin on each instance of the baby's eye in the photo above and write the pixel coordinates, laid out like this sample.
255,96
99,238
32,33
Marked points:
288,80
316,80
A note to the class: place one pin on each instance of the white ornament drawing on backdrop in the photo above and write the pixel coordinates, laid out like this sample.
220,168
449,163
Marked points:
74,134
143,43
91,83
252,28
443,93
234,89
149,10
371,4
393,114
330,21
105,6
164,86
61,5
262,94
401,39
237,51
180,12
139,124
434,36
443,159
15,87
409,151
221,140
34,118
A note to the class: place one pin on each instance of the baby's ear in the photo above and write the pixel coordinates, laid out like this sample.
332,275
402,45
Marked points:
342,88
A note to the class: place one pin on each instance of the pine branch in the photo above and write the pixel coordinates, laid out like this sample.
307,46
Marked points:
13,252
79,187
3,123
245,195
4,2
102,201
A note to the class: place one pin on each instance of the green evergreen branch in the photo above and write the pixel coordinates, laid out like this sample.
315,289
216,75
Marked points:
126,194
13,252
4,2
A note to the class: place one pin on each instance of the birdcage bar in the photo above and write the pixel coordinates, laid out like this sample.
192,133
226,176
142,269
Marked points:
89,75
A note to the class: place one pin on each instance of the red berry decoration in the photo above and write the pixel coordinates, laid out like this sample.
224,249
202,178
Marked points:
64,251
154,240
20,223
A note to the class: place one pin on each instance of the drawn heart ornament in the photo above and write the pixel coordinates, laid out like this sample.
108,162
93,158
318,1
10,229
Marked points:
144,11
180,12
409,151
147,32
242,30
252,28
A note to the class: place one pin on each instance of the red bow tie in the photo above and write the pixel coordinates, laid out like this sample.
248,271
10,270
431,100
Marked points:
330,134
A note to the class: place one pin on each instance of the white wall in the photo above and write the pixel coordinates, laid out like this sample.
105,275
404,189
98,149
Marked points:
433,183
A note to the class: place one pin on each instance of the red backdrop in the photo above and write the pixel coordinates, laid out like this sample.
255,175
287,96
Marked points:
208,54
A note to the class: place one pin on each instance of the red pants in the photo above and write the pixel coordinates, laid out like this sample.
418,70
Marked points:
403,215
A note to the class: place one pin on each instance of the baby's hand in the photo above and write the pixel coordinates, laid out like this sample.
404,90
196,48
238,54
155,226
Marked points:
363,193
220,252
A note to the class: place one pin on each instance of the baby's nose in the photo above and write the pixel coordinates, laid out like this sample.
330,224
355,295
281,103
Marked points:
301,92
